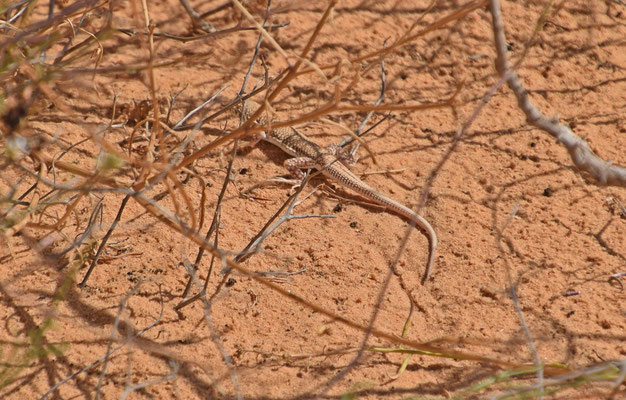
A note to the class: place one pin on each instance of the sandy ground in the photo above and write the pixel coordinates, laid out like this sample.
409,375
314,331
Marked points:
565,240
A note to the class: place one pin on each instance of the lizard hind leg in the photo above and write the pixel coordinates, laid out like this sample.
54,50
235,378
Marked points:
344,155
297,164
351,152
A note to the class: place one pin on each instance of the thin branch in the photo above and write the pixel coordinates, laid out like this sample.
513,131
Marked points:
196,18
212,35
215,337
212,229
104,241
129,389
200,107
110,351
583,157
258,240
255,55
217,214
358,132
516,303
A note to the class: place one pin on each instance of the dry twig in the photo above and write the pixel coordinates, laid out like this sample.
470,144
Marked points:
583,157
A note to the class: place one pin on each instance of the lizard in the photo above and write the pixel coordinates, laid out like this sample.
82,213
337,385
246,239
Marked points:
332,161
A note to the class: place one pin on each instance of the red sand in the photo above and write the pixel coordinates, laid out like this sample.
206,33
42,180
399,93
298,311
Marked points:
567,235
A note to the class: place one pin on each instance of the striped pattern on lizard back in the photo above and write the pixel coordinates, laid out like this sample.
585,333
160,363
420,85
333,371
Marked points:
330,161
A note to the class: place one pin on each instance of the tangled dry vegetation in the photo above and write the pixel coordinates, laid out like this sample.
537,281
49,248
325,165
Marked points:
145,252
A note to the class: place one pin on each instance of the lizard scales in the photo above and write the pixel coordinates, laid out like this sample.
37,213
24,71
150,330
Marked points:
330,161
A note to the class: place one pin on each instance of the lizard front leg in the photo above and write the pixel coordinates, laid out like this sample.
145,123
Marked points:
297,164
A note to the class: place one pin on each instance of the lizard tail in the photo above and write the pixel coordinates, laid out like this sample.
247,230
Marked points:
432,244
